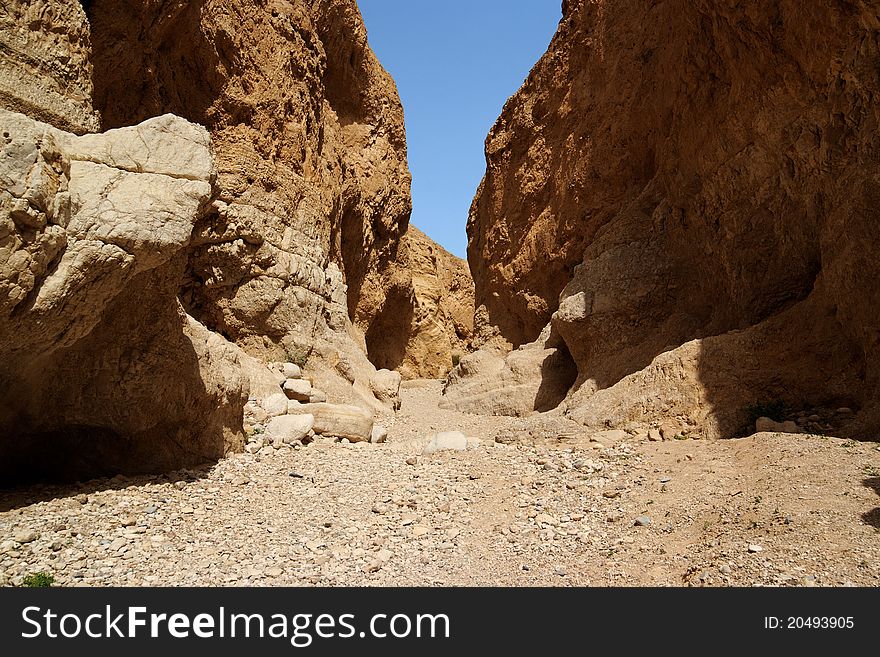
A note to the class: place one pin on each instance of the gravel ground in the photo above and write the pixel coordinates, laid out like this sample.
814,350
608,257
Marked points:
548,506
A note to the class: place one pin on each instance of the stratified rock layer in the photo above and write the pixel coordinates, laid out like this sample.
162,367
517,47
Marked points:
689,189
45,68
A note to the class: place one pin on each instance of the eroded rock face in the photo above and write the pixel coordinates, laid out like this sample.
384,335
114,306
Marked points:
687,192
45,69
309,138
425,302
100,367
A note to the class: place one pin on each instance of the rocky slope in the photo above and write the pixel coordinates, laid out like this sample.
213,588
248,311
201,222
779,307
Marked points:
685,192
45,65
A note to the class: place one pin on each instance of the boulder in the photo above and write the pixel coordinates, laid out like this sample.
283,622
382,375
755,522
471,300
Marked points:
379,434
291,371
446,440
338,420
385,385
289,428
297,389
275,404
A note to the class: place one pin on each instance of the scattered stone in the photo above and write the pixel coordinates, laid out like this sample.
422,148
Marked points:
289,428
291,371
755,548
642,521
275,405
297,389
655,436
25,537
379,434
420,530
546,519
412,460
446,440
725,569
665,480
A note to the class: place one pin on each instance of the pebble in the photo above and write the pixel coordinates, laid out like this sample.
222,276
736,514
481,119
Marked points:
25,537
755,548
642,521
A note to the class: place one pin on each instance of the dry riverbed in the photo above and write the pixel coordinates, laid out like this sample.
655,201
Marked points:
544,507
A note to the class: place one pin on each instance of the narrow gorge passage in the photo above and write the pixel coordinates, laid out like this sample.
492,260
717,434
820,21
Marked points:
229,356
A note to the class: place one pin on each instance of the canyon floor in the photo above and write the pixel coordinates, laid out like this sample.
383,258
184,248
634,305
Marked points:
536,510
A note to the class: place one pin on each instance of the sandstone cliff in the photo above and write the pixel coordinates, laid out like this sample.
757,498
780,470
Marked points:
310,144
45,65
422,333
686,192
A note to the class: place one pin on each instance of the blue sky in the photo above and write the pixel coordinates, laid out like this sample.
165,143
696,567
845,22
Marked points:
455,63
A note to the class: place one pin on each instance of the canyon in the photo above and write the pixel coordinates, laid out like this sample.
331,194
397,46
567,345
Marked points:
211,296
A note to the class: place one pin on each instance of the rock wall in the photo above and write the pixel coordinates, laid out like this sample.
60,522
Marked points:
685,192
45,70
101,369
424,322
310,143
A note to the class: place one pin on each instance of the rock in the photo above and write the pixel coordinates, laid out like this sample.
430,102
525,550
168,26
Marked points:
289,429
642,521
338,420
610,437
725,570
291,371
257,413
384,555
442,307
46,68
25,537
99,262
446,440
379,434
535,377
754,548
766,424
560,235
419,531
546,519
317,396
385,385
297,389
412,460
654,435
297,297
275,404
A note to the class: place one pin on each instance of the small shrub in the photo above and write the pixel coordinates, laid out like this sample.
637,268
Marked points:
298,356
38,580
